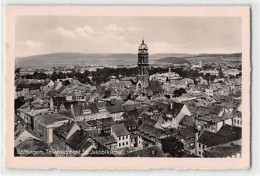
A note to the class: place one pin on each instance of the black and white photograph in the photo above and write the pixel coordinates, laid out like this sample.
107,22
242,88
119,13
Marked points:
128,87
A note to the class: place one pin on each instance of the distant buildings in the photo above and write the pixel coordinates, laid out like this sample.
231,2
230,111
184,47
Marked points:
132,116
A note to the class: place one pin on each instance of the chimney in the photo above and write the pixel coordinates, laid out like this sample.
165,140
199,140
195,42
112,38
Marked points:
171,107
72,110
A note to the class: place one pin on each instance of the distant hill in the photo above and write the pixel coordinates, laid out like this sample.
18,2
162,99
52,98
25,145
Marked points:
65,59
174,60
55,59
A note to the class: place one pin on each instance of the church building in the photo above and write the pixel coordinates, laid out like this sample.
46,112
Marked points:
143,66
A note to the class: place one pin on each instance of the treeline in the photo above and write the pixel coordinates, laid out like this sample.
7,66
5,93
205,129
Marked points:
103,75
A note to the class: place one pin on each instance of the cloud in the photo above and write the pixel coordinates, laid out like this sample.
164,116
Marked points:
81,39
28,48
63,32
114,28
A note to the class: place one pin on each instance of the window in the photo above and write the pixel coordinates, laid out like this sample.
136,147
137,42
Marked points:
235,121
123,144
126,143
123,137
119,144
199,145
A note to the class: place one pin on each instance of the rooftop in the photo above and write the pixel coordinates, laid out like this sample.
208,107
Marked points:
52,118
120,130
153,151
222,151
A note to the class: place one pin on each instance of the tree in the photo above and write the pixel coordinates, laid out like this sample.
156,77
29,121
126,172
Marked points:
66,83
17,71
220,73
172,146
179,92
18,102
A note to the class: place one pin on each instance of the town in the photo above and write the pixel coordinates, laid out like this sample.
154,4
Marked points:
143,110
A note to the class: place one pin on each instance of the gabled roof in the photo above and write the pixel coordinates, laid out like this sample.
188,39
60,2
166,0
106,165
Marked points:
174,109
52,118
115,109
147,119
210,118
212,139
63,130
132,114
188,121
148,129
120,130
231,132
223,151
155,86
187,133
106,140
32,144
78,140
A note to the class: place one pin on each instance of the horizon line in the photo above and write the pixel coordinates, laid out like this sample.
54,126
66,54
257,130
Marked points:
19,57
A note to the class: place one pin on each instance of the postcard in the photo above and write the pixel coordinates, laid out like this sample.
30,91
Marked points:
127,87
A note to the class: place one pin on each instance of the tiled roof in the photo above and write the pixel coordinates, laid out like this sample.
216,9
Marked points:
52,118
231,132
148,129
78,140
106,140
188,121
63,130
223,151
211,118
31,145
155,86
175,109
187,133
212,139
120,130
115,109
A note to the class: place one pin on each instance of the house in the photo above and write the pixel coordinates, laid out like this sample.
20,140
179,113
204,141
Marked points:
121,134
226,135
47,87
187,137
32,147
223,151
30,110
21,134
44,125
174,114
116,112
108,141
61,134
89,111
79,144
187,122
237,118
148,135
212,118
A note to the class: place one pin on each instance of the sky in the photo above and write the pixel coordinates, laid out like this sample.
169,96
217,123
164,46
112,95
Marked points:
36,35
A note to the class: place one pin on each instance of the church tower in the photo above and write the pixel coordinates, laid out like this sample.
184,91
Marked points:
143,65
